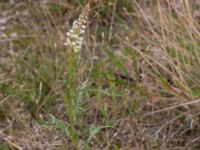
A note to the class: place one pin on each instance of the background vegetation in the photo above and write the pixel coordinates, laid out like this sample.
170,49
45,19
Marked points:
137,83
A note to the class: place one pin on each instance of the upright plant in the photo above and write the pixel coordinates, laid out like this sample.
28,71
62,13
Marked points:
74,42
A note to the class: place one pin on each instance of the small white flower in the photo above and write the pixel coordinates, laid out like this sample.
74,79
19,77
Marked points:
83,27
74,36
75,22
78,47
80,39
66,43
82,20
71,30
82,31
73,43
76,50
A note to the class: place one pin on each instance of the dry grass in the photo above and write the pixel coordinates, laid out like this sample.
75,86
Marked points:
135,86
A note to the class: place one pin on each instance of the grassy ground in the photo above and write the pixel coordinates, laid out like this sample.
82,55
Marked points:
136,84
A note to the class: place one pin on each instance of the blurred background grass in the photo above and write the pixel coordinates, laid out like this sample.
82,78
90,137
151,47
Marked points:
137,85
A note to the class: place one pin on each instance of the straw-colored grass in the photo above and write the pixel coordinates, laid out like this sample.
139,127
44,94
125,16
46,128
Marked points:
125,75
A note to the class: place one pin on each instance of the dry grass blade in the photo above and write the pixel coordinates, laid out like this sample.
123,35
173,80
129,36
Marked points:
136,84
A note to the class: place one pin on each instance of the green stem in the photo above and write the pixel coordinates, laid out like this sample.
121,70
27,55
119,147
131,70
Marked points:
71,69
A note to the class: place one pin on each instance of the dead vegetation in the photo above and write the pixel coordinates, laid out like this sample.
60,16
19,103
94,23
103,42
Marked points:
136,86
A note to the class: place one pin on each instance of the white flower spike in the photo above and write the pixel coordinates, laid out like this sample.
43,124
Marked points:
75,35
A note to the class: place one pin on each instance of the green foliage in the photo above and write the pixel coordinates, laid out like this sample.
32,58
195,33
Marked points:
4,147
92,132
57,124
116,61
106,89
196,92
126,4
55,8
